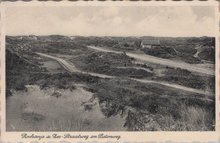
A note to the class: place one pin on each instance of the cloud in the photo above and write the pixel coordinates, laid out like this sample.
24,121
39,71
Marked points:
177,21
108,21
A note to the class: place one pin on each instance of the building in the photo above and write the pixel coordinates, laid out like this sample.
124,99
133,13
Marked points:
149,43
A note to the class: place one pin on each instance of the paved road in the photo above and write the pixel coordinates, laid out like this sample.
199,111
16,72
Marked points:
161,61
71,68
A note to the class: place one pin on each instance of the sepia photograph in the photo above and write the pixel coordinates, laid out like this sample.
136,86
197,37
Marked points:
110,68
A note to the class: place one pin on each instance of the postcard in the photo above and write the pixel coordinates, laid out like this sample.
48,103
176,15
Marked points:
110,71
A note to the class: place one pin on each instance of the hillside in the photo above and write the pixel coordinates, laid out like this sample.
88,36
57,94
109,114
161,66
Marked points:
86,86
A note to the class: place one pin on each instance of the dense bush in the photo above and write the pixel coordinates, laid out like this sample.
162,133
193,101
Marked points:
188,79
208,54
146,109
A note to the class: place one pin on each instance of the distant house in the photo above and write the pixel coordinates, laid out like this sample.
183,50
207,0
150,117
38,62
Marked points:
149,43
72,37
32,37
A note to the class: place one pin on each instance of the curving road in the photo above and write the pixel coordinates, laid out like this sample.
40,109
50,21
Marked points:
71,68
161,61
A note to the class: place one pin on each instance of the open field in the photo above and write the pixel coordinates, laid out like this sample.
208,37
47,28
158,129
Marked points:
55,78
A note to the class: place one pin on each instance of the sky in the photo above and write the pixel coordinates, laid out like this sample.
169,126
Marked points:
181,21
